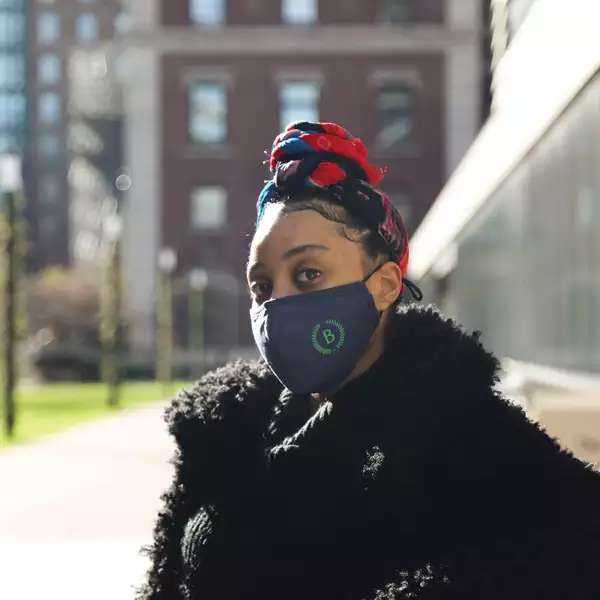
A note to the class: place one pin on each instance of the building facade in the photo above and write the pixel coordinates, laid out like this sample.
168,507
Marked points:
55,30
510,247
216,80
13,98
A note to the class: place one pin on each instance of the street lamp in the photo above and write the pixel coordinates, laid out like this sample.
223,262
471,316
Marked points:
198,279
10,186
113,226
167,263
111,306
167,260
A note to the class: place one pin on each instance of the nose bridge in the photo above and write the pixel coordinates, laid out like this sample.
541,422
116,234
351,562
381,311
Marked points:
281,287
282,292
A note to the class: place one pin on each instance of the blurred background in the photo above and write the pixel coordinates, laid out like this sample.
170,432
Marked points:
132,135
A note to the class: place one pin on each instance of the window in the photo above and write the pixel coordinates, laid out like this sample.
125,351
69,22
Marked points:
48,145
396,11
12,29
394,115
122,22
207,112
12,110
48,27
207,12
48,68
12,71
298,101
11,4
49,107
86,28
208,207
299,12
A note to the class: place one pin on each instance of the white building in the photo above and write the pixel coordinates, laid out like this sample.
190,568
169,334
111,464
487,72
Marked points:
511,246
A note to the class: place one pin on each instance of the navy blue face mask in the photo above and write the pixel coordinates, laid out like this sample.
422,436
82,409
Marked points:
312,341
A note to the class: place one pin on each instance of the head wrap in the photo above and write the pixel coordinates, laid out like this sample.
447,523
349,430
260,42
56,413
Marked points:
325,156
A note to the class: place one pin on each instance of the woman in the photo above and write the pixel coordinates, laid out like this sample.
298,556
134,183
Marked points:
366,455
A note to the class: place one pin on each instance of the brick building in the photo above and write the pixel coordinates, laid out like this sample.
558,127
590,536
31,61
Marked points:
56,28
213,81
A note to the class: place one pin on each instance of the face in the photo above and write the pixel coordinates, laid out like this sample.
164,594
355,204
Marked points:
303,251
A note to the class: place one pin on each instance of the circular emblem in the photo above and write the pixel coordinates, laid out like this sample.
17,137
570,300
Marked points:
328,337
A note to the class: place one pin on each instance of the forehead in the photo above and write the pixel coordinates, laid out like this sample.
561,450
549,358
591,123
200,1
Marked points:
278,231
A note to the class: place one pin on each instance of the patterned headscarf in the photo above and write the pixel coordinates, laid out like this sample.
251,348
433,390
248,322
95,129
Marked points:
325,156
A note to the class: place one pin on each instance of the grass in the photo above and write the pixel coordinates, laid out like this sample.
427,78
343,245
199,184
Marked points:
54,407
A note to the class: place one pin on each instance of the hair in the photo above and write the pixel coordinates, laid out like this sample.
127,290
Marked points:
349,226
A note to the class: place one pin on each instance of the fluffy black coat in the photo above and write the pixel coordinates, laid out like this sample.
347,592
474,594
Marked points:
418,481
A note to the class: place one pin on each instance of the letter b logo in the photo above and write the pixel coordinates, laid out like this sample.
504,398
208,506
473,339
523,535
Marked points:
328,340
329,336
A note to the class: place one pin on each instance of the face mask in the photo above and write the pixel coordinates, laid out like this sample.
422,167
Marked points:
312,341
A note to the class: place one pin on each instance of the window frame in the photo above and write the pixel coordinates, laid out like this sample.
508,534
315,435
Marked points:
88,17
52,39
56,59
389,77
195,194
298,79
220,20
41,116
216,82
286,5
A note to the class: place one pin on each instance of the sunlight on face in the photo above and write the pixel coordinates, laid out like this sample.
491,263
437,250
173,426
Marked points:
299,252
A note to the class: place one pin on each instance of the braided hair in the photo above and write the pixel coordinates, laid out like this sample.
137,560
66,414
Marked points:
323,167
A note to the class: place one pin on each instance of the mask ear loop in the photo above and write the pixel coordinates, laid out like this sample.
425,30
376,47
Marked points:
373,271
413,288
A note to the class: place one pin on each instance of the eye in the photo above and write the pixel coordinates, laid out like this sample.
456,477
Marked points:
311,275
258,289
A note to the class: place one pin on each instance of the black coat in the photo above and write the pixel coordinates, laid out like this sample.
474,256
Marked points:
419,481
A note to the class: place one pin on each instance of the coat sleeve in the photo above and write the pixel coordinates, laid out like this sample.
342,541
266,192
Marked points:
518,505
216,425
490,448
506,511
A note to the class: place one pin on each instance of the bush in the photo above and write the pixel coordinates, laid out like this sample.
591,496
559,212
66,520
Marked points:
62,323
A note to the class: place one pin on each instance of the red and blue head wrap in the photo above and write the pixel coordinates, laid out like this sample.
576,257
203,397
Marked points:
325,156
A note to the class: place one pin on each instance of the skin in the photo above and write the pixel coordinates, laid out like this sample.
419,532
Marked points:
280,265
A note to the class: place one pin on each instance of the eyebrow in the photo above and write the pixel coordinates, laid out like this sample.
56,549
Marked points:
291,252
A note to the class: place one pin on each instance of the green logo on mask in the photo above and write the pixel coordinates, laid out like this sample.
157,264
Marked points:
328,337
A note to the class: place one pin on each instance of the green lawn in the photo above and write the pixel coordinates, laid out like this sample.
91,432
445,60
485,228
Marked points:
55,407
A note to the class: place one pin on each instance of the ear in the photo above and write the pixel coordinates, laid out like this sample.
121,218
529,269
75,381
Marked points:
387,285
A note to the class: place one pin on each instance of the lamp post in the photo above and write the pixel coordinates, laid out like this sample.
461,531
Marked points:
226,282
10,184
111,307
167,262
198,284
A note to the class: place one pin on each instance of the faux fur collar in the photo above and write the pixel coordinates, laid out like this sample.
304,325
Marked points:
244,398
422,347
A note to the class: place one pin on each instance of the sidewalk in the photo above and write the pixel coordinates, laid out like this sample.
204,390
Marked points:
76,507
